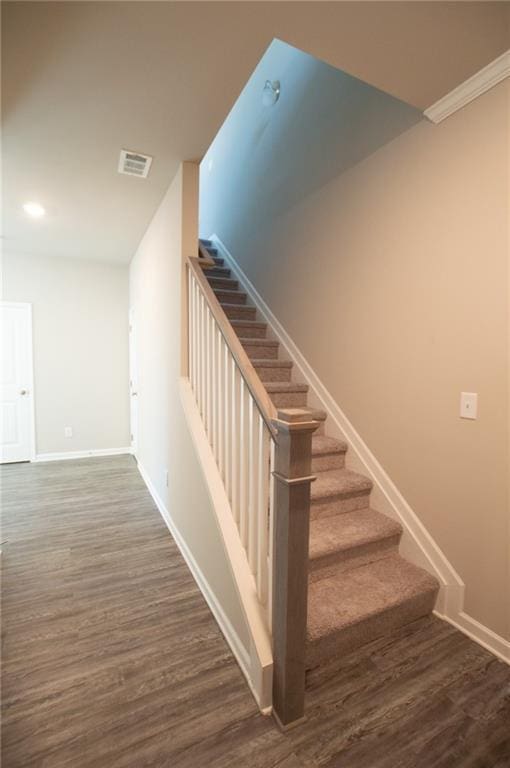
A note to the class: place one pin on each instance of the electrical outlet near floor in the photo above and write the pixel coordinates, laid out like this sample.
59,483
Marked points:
68,431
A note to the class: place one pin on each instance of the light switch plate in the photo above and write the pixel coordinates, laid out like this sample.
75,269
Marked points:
468,405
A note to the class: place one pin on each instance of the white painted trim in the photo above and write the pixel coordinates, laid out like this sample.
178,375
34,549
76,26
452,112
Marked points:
480,634
241,654
65,455
470,89
31,384
417,544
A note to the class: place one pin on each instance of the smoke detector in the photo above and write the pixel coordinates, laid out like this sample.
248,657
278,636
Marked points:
134,164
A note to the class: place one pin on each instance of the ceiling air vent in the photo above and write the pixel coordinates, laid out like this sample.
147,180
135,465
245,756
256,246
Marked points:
134,164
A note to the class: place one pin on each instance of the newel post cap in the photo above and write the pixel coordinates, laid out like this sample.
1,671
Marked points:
295,420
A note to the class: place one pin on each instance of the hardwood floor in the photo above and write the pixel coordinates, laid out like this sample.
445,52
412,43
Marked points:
112,659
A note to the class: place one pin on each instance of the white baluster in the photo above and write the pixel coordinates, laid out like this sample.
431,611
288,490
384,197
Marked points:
226,419
200,347
207,393
253,489
195,337
234,440
262,509
214,390
243,462
270,535
221,441
190,326
209,374
202,356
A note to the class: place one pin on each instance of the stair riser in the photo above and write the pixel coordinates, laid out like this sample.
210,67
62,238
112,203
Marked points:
329,461
365,631
337,562
260,352
288,399
250,332
230,297
240,312
223,282
273,374
338,505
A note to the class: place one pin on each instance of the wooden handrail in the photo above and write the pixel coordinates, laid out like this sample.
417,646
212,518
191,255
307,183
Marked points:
264,403
204,256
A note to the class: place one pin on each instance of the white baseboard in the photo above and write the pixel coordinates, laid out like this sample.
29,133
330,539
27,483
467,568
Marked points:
480,634
417,544
65,455
470,89
240,653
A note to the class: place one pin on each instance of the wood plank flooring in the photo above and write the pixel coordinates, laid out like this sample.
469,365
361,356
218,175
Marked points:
113,660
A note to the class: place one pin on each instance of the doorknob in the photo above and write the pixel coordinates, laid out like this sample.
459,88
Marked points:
24,392
134,394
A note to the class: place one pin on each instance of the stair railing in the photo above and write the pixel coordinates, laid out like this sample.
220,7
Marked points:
264,458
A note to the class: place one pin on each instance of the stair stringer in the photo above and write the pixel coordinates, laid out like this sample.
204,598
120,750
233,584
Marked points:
417,545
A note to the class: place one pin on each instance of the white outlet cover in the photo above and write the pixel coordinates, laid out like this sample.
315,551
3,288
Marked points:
68,431
468,405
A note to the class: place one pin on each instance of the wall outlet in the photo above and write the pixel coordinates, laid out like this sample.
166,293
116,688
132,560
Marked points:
166,477
468,405
68,431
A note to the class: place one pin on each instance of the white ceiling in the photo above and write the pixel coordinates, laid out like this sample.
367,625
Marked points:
80,81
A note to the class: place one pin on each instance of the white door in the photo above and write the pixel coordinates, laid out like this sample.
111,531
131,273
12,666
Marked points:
133,383
16,396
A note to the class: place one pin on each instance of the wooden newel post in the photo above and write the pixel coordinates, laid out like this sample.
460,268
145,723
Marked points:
292,475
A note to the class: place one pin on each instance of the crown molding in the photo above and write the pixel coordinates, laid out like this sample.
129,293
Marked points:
470,89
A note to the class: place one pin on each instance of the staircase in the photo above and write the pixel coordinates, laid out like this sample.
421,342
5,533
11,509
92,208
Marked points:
359,588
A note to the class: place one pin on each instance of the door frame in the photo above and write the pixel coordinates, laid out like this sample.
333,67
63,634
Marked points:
28,307
133,381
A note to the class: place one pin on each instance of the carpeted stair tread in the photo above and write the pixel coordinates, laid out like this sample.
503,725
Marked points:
391,586
259,342
271,363
340,533
211,272
339,483
248,324
238,311
230,297
317,414
223,283
274,387
323,445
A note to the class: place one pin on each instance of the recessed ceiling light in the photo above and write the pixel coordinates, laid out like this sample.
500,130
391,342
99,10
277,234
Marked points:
34,209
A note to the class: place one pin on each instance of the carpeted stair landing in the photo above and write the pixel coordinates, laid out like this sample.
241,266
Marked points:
360,588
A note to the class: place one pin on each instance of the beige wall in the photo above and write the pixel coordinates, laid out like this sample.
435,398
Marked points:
393,281
164,442
80,339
